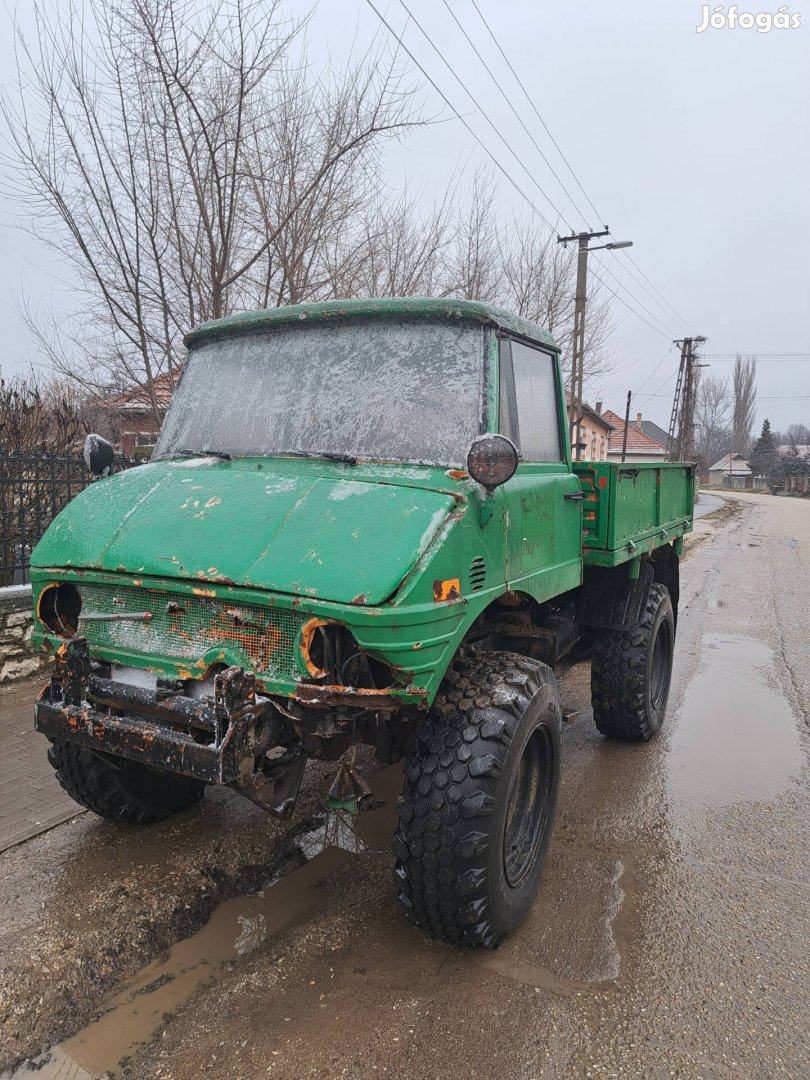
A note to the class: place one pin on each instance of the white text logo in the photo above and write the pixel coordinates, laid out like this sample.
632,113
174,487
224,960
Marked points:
731,18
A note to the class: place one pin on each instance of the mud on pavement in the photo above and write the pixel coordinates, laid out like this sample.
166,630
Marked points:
87,904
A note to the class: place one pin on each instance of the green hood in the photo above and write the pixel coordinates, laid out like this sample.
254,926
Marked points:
291,526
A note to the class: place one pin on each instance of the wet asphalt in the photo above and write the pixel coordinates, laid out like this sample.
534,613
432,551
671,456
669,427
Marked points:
669,938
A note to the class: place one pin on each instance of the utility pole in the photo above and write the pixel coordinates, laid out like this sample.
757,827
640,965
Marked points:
578,337
626,425
682,420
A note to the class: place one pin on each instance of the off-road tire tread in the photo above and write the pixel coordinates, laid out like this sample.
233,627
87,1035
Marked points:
100,786
618,674
441,843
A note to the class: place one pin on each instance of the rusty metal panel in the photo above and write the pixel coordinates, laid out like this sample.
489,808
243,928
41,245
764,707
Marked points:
187,627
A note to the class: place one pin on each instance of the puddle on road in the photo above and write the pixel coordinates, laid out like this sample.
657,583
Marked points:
736,739
130,1017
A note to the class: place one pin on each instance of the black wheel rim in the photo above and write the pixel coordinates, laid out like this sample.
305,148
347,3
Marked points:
661,666
527,813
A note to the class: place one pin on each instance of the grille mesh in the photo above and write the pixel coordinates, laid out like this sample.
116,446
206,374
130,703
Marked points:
187,627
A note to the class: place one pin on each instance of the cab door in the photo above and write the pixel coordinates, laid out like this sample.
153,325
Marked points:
544,497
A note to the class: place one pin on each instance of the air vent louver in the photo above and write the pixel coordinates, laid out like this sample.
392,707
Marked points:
478,573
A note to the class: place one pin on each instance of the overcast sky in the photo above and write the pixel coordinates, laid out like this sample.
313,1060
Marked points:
694,146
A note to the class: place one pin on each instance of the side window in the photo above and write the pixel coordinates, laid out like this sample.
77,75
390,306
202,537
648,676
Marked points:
507,421
535,401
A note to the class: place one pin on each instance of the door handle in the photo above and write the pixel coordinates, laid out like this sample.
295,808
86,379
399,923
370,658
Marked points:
575,496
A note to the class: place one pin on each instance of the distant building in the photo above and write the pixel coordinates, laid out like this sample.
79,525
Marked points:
731,471
595,432
132,418
649,427
640,445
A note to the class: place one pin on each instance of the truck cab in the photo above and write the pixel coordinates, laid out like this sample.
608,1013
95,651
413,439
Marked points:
361,523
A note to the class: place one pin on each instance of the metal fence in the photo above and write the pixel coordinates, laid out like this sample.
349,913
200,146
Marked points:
33,489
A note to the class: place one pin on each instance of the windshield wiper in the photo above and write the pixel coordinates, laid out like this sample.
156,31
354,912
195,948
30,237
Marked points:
326,455
223,454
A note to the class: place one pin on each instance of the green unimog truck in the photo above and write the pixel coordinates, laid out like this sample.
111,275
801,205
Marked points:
361,524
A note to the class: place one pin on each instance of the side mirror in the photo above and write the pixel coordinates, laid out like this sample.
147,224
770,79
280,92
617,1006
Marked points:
98,455
492,460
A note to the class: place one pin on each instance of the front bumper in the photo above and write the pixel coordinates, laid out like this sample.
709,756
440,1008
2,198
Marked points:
212,739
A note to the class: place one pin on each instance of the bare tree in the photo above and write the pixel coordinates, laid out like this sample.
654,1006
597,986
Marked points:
473,268
39,422
38,416
397,248
188,162
745,404
713,410
539,283
796,435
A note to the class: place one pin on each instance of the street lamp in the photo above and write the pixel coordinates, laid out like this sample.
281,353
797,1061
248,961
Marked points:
578,340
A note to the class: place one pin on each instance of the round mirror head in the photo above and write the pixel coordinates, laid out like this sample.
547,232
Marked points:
492,460
98,455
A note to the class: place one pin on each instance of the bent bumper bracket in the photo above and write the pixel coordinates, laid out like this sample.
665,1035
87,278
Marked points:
208,740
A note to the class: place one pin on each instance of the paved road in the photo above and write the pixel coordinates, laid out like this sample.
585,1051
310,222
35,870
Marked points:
30,802
669,939
706,503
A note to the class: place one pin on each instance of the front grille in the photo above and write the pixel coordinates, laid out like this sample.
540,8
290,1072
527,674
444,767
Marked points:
187,627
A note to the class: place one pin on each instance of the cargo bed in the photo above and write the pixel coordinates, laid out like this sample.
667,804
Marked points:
632,508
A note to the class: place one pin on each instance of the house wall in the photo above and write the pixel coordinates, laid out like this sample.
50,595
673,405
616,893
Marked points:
615,454
718,478
595,436
138,430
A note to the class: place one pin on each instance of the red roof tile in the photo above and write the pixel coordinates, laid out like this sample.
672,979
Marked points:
138,397
637,441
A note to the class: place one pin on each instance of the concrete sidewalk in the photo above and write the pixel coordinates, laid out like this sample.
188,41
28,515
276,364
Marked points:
31,799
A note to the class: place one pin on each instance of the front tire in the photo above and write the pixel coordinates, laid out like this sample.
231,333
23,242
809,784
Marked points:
119,789
480,795
631,672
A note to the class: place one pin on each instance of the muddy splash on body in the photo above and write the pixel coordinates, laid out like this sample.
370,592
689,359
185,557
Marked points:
130,1017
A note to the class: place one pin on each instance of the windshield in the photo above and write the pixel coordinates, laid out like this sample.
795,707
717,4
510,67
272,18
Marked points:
382,390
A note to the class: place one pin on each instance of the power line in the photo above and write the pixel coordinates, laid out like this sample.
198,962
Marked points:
658,393
652,373
684,322
479,108
672,308
760,397
510,179
774,357
536,113
665,331
568,165
516,114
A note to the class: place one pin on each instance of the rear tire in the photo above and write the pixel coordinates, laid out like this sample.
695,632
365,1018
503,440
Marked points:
480,794
120,789
631,672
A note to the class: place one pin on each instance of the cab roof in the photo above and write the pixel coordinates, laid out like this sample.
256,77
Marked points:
410,306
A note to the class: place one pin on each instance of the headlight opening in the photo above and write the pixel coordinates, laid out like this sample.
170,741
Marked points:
59,608
332,655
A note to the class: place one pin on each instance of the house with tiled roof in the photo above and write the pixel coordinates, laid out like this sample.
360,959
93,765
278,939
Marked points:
594,432
655,431
731,471
132,417
640,445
